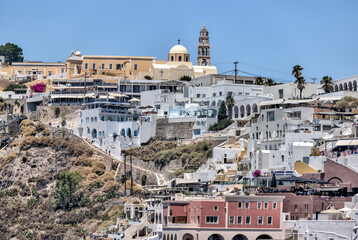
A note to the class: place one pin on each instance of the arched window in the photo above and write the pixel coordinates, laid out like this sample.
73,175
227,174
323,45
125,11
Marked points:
172,58
179,58
129,132
242,111
88,130
186,59
123,132
95,119
91,119
94,133
135,133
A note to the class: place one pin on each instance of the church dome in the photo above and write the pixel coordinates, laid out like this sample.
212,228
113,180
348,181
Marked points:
178,49
78,53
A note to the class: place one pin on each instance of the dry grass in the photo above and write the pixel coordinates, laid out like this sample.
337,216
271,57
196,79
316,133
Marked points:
108,185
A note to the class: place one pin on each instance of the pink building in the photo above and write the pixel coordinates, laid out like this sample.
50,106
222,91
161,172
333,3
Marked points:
230,218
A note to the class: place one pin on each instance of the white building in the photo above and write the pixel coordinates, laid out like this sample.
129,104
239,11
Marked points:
110,123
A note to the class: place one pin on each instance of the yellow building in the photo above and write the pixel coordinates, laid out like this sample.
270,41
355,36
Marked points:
34,69
117,66
178,65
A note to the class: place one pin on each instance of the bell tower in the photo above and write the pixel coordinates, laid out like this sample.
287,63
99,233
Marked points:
204,48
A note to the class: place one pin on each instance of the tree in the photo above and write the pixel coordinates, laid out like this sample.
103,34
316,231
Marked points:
185,78
269,82
12,86
327,84
12,53
259,81
143,179
57,112
230,103
300,81
222,111
65,193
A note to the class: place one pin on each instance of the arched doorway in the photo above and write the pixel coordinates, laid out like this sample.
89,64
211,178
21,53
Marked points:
216,237
236,112
254,108
354,85
350,87
264,237
336,88
340,87
242,111
213,103
248,110
94,133
239,237
345,86
188,236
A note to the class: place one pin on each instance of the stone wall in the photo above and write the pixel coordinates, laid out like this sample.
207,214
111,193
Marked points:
166,130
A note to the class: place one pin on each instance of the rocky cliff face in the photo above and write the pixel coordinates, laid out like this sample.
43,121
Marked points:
29,168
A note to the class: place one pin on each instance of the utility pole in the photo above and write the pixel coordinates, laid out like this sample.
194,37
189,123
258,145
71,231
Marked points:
84,99
125,172
131,175
235,70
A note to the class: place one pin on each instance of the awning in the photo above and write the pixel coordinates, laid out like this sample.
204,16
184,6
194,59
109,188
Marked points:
354,143
274,102
343,143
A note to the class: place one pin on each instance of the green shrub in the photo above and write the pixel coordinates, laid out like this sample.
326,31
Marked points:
220,125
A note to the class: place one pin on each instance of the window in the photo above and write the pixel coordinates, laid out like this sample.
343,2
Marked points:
269,220
86,65
179,58
266,205
110,66
247,205
118,66
306,207
170,212
186,59
270,116
135,66
62,70
248,220
260,220
239,205
232,220
239,219
274,205
198,95
212,219
229,93
172,58
216,208
50,73
259,205
296,208
280,93
93,66
103,66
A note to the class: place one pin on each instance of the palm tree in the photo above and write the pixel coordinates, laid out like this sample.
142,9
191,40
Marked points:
327,84
259,81
230,103
300,81
269,82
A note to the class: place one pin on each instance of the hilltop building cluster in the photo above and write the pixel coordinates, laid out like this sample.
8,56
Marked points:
284,167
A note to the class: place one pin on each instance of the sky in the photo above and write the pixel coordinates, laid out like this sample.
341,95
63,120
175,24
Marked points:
266,37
